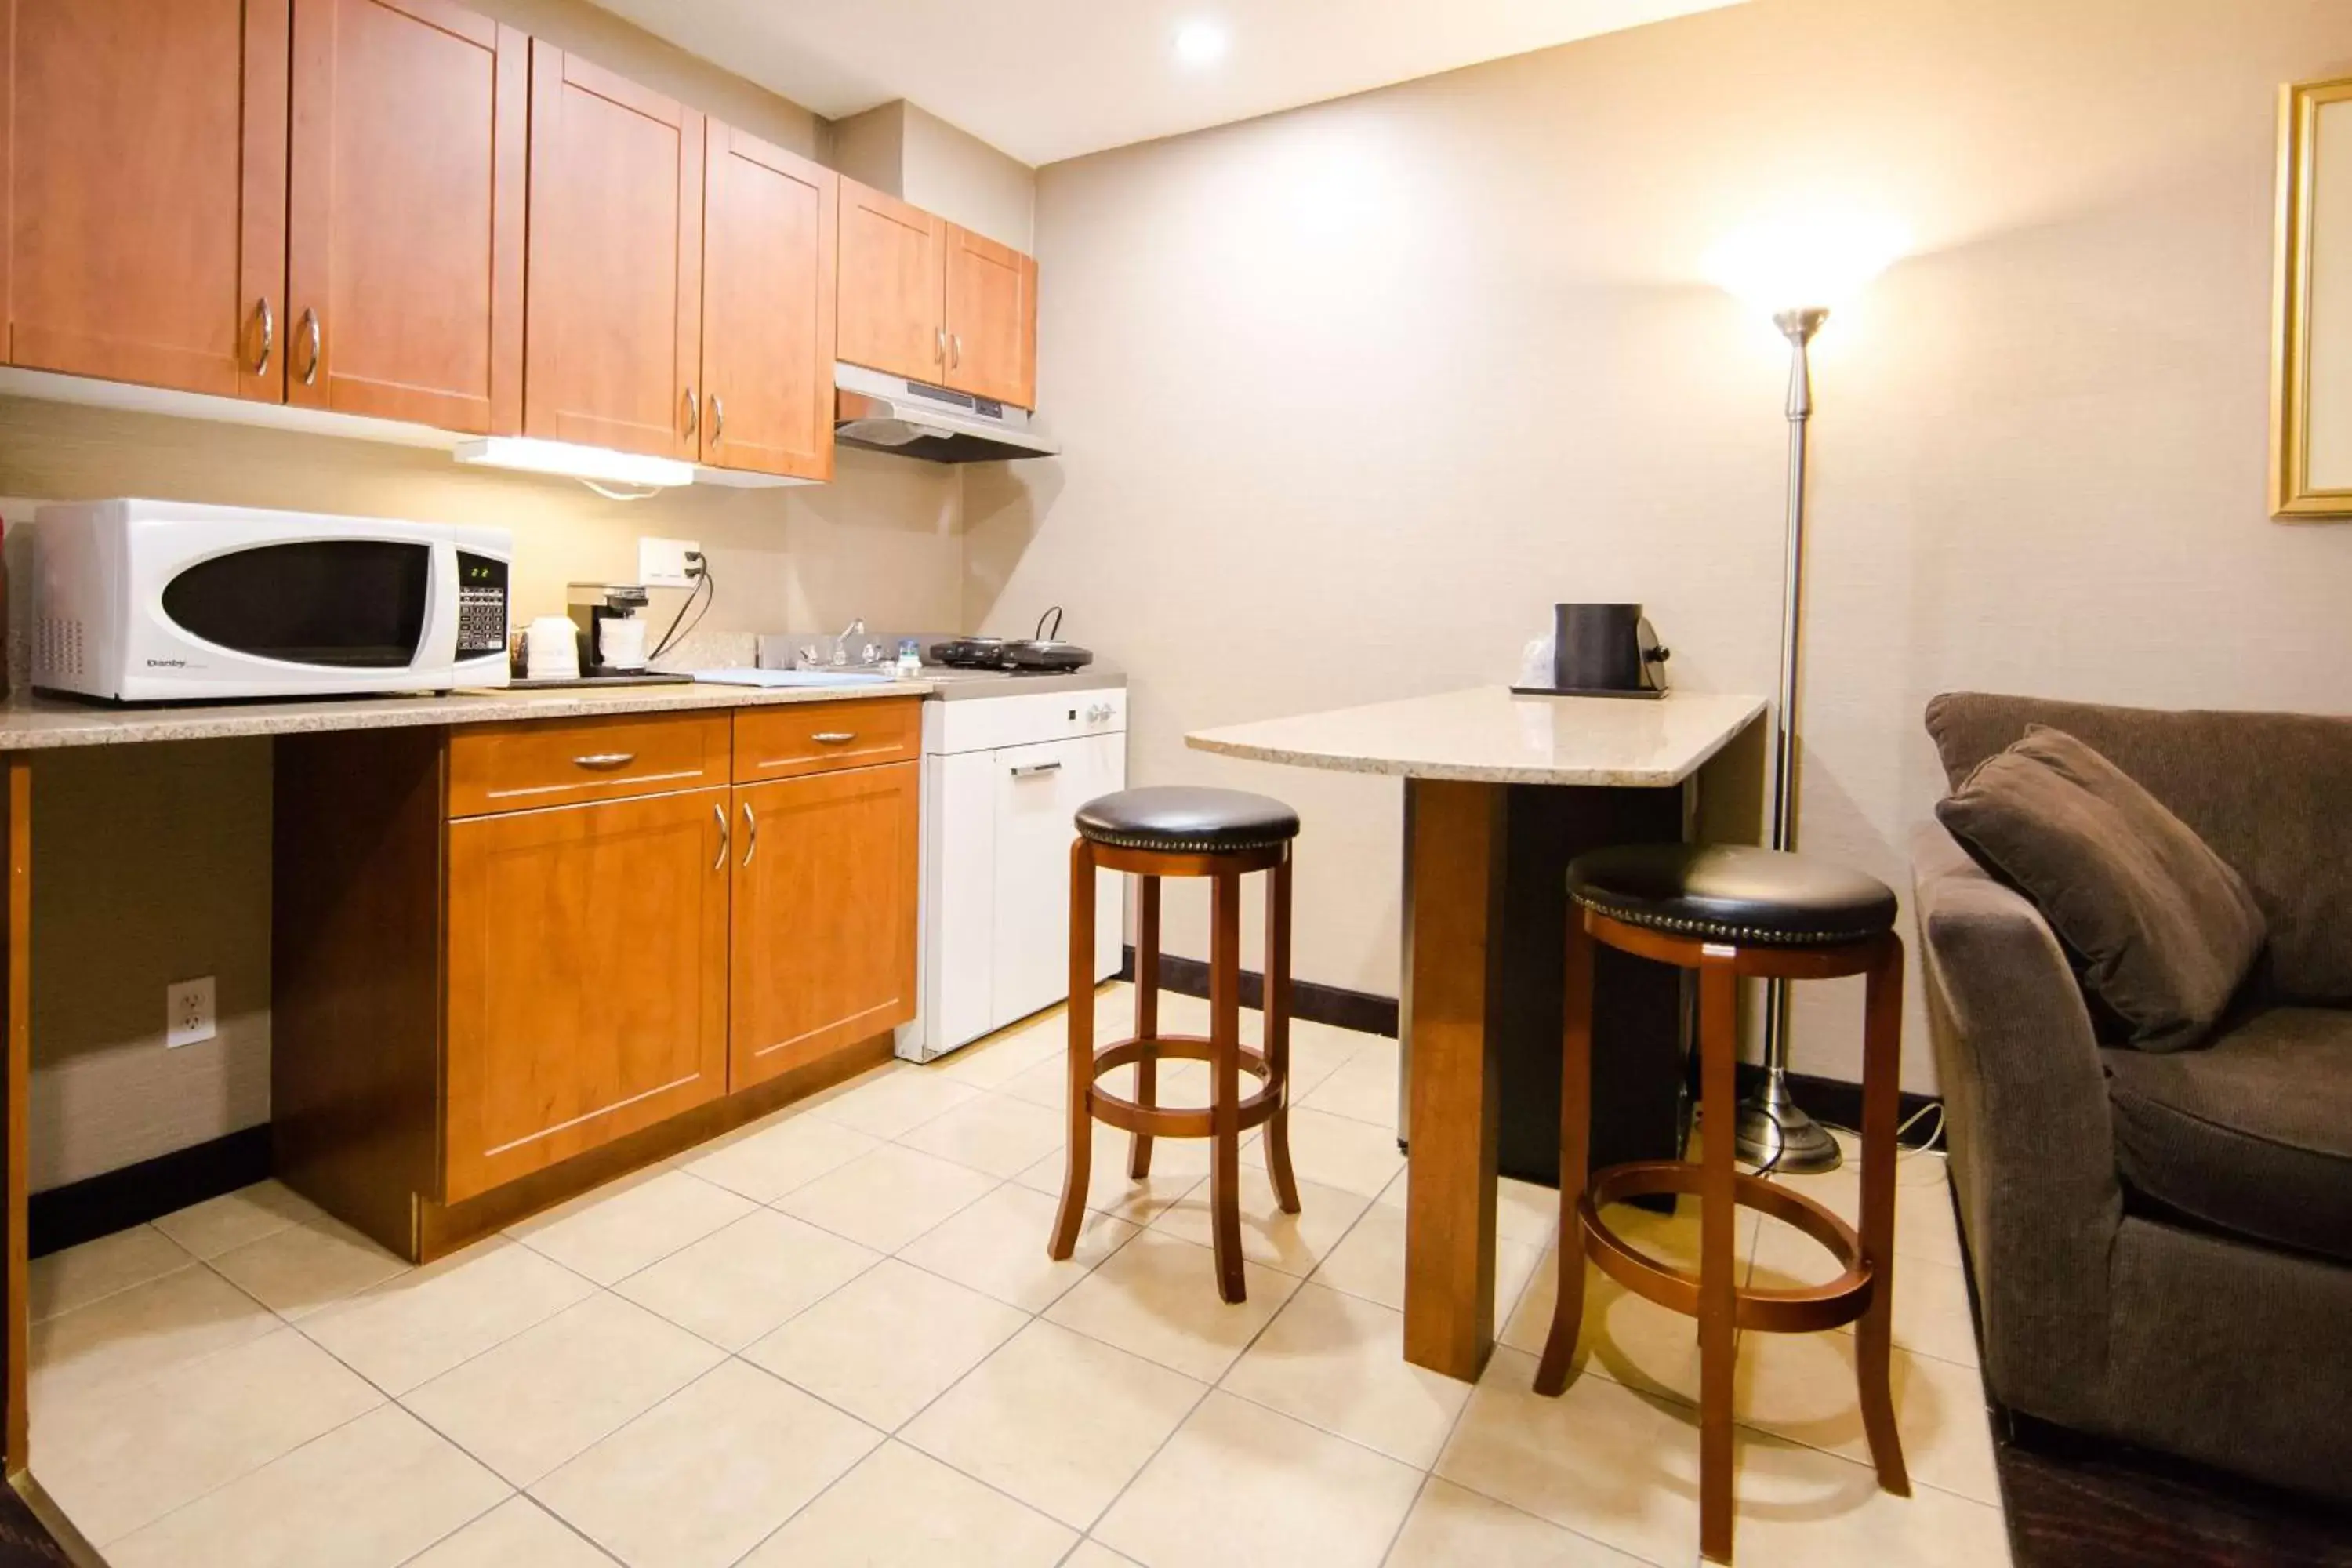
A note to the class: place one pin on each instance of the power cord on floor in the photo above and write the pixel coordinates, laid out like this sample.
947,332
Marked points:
1930,1144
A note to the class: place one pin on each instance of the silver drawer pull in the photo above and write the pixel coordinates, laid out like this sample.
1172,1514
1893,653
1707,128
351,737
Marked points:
720,813
606,759
751,823
833,737
1031,769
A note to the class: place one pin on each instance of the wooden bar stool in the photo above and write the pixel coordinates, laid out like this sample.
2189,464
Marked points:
1222,834
1727,912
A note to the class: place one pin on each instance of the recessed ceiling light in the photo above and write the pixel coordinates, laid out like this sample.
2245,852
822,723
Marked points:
1202,43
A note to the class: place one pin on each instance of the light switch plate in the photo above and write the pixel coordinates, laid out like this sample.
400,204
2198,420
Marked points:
661,563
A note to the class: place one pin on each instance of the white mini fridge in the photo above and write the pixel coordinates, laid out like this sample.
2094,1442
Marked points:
1002,776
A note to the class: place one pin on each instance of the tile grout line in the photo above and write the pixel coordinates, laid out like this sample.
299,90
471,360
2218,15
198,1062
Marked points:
1213,1386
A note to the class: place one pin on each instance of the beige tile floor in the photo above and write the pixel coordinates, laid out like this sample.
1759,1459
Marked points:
833,1338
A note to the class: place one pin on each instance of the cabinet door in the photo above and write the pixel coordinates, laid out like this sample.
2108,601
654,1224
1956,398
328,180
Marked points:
1039,789
992,318
587,979
767,307
145,151
613,325
406,229
893,272
826,872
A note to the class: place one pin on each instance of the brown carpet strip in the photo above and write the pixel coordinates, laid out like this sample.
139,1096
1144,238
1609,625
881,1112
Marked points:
2080,1502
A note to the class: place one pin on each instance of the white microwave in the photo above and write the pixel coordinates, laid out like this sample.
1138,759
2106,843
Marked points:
145,601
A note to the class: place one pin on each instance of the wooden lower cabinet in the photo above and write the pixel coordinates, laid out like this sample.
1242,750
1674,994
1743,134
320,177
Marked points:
587,978
825,881
481,1007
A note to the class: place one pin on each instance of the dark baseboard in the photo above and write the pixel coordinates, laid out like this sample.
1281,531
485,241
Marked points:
1334,1005
1828,1098
1835,1100
117,1200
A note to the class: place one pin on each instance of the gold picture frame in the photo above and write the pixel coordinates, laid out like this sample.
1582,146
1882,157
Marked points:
2311,398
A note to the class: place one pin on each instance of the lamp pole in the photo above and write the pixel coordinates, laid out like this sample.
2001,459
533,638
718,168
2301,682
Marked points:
1774,1130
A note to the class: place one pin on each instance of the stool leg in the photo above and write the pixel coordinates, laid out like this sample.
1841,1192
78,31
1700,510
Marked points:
1225,1081
1147,1014
1718,1304
1882,1064
1078,1171
1575,1149
1277,1032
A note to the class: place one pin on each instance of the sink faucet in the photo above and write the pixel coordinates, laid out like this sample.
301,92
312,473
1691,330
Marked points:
855,628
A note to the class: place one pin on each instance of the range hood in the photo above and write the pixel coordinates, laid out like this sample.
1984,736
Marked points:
916,419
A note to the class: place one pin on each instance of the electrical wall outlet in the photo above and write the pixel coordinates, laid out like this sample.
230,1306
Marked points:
188,1013
662,563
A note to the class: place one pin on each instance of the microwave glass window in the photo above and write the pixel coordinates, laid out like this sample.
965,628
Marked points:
351,603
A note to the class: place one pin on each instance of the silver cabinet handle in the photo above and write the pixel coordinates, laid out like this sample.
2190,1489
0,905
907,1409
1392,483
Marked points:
942,354
318,346
606,759
693,412
955,350
718,419
833,737
268,334
1033,769
751,826
720,812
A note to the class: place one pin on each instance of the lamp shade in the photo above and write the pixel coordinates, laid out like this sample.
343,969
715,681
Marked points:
1817,260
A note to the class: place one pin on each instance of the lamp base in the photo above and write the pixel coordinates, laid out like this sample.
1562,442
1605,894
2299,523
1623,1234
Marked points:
1776,1134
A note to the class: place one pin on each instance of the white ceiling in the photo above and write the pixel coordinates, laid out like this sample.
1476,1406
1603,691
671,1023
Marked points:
1046,79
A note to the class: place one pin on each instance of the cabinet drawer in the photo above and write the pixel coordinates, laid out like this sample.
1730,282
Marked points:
569,762
817,737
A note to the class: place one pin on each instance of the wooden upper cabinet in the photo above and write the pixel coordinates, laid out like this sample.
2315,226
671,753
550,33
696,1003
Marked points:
992,318
767,267
893,285
614,320
405,238
145,155
587,978
825,882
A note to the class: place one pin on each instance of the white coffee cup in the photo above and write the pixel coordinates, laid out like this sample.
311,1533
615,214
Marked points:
552,649
623,644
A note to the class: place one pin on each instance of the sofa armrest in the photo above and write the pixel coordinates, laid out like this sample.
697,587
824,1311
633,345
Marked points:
2025,1102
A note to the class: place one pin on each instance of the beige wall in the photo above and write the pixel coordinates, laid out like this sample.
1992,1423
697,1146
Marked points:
623,47
913,154
152,864
1351,395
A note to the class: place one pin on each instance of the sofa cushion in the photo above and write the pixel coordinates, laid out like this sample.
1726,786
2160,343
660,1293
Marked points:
2165,931
2252,1134
2265,790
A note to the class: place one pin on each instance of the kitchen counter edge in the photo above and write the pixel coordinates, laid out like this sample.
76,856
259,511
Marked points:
33,722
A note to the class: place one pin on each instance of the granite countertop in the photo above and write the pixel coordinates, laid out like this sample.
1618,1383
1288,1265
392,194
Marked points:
31,722
1491,736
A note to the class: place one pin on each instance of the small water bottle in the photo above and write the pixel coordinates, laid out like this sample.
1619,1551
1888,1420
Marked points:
910,660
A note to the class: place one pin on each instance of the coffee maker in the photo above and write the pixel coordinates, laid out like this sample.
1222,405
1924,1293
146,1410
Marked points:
600,611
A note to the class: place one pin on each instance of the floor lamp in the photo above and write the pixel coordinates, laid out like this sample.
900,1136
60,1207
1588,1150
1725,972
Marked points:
1820,259
1774,1130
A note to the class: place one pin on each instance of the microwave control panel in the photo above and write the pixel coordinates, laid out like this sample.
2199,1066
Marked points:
481,605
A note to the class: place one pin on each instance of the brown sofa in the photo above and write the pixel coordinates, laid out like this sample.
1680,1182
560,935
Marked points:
2162,1244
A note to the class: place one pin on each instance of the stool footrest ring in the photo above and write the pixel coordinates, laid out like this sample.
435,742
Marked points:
1768,1309
1180,1121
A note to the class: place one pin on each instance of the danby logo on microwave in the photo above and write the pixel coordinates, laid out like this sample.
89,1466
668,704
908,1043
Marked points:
167,664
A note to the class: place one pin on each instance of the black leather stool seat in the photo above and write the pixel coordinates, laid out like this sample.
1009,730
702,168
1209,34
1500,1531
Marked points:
1732,893
1182,819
